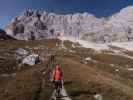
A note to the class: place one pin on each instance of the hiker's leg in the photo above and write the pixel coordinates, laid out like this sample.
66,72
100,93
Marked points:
56,85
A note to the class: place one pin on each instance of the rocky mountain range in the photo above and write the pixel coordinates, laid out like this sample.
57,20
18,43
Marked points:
36,25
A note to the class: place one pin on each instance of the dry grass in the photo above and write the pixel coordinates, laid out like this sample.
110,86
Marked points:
81,81
27,83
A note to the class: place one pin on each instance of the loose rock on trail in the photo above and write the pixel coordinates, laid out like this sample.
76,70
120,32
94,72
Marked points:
64,95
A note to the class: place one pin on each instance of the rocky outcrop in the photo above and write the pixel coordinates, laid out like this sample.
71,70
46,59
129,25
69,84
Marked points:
36,25
4,36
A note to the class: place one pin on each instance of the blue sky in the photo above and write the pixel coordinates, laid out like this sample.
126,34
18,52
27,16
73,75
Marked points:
100,8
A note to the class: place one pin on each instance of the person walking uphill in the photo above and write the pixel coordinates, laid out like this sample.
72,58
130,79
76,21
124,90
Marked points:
57,76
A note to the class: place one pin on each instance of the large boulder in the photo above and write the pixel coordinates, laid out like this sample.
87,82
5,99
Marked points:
21,53
31,59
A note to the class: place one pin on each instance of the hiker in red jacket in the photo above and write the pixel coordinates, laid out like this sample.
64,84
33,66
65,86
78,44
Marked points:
57,76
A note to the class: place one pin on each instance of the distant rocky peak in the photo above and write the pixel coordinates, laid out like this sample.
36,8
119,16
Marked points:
42,25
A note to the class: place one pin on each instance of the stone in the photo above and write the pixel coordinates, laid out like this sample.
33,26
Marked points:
98,97
31,59
21,53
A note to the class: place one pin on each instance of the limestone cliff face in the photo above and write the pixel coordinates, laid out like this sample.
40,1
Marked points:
38,25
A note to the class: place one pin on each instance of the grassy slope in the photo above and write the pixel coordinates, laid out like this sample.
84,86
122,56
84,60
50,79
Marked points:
82,81
27,83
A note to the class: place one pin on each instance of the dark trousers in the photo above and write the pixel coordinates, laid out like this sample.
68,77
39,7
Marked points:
58,84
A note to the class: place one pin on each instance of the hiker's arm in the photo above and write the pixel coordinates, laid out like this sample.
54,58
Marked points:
53,76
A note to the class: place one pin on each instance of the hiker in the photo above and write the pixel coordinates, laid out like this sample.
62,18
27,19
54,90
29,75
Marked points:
57,76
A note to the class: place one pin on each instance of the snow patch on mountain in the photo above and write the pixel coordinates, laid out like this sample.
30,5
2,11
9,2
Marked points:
124,45
100,46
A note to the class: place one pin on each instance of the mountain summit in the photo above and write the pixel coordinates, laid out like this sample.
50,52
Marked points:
36,25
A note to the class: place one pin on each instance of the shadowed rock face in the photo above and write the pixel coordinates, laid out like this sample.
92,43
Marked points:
4,36
36,25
